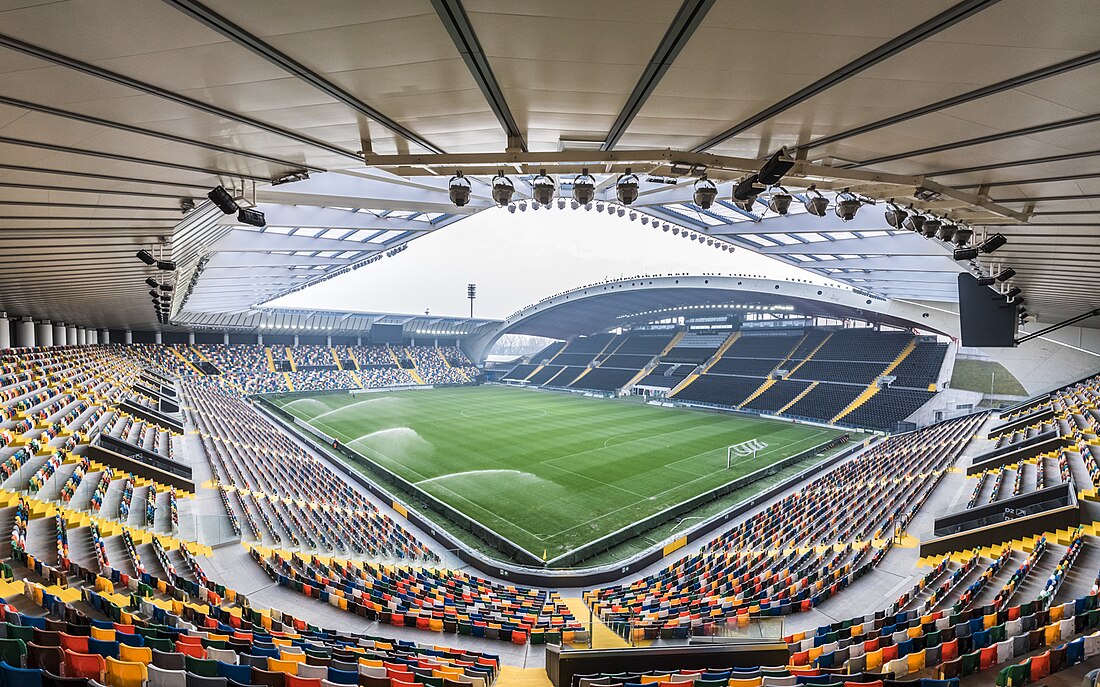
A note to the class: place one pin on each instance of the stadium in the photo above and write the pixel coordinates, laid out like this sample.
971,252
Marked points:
462,344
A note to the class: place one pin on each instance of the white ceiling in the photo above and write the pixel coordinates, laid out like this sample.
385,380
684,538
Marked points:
111,111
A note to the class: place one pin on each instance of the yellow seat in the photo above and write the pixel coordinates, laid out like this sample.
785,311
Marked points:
103,634
916,661
278,666
135,654
296,656
125,673
874,659
746,682
653,679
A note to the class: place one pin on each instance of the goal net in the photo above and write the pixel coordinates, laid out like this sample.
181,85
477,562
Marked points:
746,450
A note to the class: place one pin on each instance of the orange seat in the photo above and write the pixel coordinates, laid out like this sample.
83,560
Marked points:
295,681
194,650
78,644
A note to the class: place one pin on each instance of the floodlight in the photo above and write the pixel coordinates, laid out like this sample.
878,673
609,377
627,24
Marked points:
780,203
252,217
542,188
146,257
503,189
962,236
992,243
705,192
584,187
626,188
914,222
458,188
895,216
847,205
223,200
816,204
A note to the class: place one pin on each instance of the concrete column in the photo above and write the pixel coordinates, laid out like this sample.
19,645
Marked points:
359,341
105,336
81,336
160,337
70,335
191,338
5,331
260,339
93,336
295,340
24,333
43,332
59,331
129,337
225,338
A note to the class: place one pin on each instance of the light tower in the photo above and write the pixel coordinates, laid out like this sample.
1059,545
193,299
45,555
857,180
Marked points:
471,293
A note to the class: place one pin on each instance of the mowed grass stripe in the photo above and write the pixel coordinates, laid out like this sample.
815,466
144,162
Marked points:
549,471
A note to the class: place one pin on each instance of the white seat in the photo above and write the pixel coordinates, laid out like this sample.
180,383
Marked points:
158,677
306,670
223,655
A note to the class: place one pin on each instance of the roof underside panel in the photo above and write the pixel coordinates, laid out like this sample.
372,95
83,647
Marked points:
112,112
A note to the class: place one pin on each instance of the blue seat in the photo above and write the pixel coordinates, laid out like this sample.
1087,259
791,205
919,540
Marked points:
132,640
929,682
103,647
343,677
11,676
235,672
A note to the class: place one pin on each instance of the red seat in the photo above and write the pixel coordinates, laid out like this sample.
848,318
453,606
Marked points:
74,643
85,665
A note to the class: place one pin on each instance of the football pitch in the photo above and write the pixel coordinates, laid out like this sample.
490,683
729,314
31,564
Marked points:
549,471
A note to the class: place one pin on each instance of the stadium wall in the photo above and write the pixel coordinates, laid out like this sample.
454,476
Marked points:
530,575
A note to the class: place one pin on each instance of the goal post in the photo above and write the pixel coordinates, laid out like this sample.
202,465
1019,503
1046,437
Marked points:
744,450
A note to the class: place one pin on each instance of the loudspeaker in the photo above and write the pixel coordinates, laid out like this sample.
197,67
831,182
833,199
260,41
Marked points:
986,319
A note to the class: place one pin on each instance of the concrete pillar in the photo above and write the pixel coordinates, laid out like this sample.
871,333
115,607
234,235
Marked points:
70,335
105,336
160,337
191,338
260,339
295,340
81,336
329,340
225,338
24,333
129,336
93,336
43,332
59,331
359,341
5,331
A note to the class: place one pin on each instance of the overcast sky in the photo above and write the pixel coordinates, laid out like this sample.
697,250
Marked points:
518,259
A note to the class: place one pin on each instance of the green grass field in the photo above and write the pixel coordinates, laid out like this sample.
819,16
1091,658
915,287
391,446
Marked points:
550,472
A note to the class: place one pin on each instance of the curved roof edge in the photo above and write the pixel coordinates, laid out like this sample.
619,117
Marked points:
634,300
